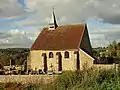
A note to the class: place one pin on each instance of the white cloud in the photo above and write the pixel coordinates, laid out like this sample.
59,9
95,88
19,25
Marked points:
70,11
67,12
15,33
4,41
103,36
76,11
17,38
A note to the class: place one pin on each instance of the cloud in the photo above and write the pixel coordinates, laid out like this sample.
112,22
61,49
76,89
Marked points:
77,11
67,12
10,9
17,38
70,11
103,36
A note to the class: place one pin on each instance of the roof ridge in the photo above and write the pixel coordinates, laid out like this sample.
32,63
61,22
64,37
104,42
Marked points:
81,37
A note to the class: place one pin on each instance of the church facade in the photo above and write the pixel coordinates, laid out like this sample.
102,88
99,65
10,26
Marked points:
61,48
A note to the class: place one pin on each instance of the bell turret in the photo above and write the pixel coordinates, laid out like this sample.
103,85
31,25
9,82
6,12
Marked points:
52,24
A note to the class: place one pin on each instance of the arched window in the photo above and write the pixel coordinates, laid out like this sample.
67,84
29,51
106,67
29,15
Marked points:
50,55
44,54
66,54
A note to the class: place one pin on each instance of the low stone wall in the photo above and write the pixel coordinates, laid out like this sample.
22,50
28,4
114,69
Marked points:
26,79
36,79
106,66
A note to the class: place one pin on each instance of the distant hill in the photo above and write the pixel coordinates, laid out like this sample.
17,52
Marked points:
17,56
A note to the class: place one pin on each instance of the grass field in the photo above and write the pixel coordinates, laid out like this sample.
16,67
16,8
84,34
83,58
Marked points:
90,79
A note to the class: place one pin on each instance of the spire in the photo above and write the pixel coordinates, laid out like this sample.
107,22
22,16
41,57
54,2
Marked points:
52,24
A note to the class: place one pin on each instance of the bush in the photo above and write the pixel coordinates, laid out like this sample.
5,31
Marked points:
90,79
68,80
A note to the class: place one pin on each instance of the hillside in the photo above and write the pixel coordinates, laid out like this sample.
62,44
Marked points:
17,56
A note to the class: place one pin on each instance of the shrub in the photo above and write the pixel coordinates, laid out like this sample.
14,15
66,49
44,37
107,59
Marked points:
68,79
88,79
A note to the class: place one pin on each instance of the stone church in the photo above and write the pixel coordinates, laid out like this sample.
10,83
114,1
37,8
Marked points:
61,48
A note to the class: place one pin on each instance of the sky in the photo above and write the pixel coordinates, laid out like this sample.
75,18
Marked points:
21,21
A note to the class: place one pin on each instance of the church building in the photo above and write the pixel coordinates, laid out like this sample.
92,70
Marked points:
61,48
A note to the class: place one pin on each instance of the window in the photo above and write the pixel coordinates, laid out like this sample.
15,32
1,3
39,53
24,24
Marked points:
66,54
51,26
50,55
44,54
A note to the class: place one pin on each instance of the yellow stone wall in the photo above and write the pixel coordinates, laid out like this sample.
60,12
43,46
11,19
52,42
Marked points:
86,61
36,60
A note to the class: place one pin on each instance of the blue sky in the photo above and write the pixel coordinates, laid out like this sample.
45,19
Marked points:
24,19
22,2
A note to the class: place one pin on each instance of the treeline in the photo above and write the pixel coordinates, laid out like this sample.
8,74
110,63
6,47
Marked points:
16,55
113,50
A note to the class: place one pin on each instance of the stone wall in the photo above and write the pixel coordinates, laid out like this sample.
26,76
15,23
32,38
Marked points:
106,66
36,60
27,79
86,61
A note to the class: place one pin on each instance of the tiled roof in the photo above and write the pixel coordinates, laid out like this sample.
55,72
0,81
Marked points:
63,37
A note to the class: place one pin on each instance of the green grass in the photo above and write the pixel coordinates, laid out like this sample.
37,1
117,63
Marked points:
89,79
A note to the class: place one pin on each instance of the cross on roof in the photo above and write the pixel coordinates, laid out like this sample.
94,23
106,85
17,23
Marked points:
53,7
51,65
